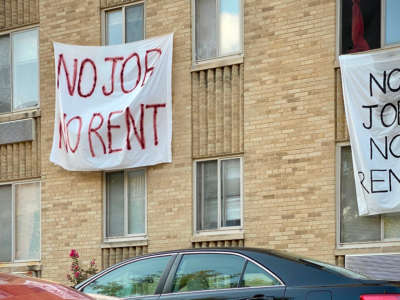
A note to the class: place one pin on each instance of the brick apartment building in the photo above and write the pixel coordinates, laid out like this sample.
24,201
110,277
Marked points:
260,157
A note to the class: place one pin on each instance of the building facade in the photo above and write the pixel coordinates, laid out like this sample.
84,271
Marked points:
260,150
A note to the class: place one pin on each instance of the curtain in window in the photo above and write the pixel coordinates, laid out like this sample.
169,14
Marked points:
115,203
136,201
206,34
231,192
5,223
27,221
25,69
207,195
5,84
114,27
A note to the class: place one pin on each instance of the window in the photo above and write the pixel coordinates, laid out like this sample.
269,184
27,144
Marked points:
19,70
125,203
369,24
354,228
138,278
20,222
255,276
218,194
124,25
218,28
208,272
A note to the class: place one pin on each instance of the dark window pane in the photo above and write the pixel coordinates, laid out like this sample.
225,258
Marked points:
207,195
134,23
361,25
115,203
354,228
255,276
134,279
5,223
206,26
5,85
208,272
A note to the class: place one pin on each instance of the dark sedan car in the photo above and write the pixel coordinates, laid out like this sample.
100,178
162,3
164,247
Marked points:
245,274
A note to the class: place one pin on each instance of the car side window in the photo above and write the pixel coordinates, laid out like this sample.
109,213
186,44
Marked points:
254,276
208,272
138,278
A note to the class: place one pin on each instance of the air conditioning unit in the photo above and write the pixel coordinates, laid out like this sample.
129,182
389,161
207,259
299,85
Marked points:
385,266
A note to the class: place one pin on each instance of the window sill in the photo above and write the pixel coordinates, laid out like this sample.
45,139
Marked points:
211,236
125,242
342,248
217,63
20,115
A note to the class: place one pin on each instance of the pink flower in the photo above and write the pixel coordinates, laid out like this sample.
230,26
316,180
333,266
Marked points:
76,267
74,254
77,274
92,262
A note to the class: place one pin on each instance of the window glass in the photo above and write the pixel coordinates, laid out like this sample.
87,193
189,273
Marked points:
354,228
207,194
391,226
27,221
5,84
255,276
134,23
361,25
5,223
115,203
229,30
392,22
208,272
136,201
231,192
25,69
135,279
206,33
114,27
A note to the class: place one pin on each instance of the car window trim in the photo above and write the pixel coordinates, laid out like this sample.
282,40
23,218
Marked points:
129,261
168,286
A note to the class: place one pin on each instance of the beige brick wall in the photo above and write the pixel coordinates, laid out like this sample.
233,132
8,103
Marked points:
281,109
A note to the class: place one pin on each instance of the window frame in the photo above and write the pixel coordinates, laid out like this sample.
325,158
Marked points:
126,236
219,229
218,59
382,29
123,9
173,271
350,245
13,227
10,33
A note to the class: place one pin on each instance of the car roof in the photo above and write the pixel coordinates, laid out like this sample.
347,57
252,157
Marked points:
17,287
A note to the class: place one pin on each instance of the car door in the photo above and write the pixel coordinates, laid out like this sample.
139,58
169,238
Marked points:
142,278
220,276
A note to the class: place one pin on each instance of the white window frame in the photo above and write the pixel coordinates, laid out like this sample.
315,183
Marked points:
13,234
219,229
126,236
351,245
123,8
382,29
218,58
10,33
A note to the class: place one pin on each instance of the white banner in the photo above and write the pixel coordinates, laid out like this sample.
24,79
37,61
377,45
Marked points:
371,89
113,105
